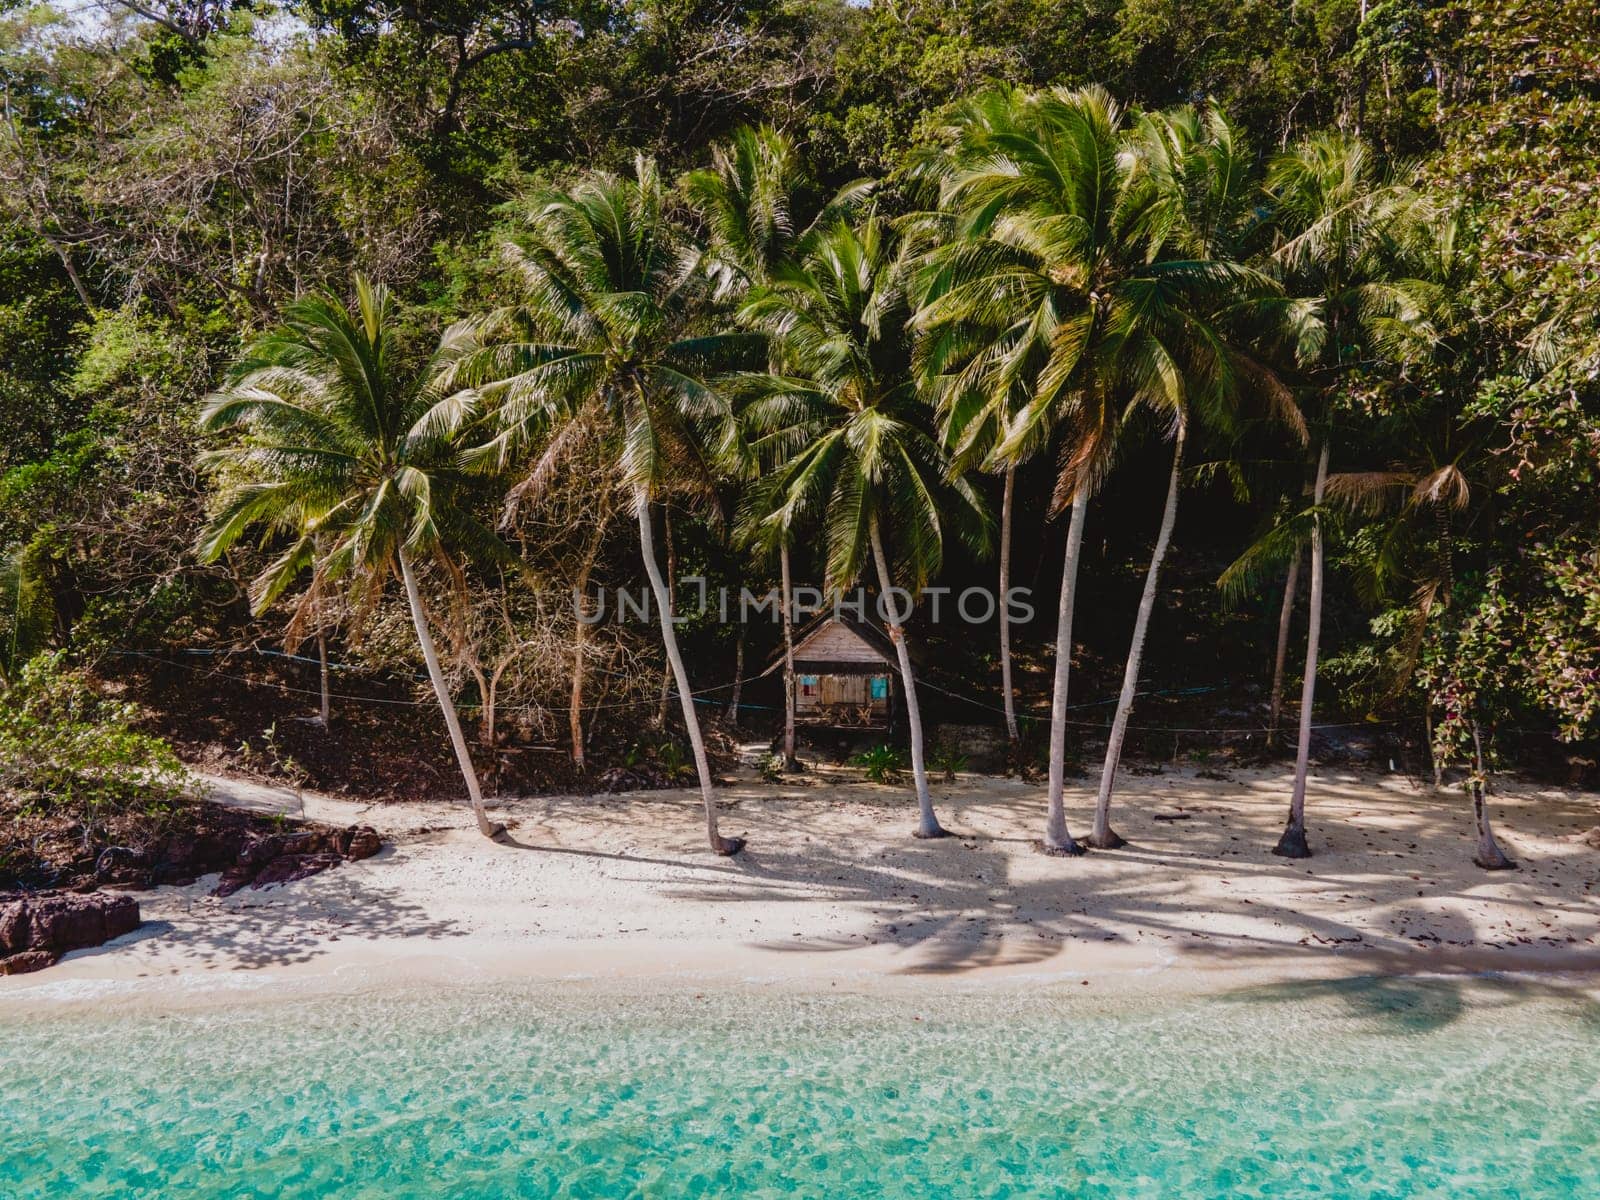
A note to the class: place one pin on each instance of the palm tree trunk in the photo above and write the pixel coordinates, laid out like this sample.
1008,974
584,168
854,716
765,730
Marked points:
1489,856
927,821
669,638
580,637
1285,620
1057,841
1293,843
790,763
325,711
1102,836
453,723
738,677
671,609
1005,618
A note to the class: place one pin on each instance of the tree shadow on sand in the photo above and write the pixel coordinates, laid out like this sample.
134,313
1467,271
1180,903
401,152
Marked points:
279,926
963,904
1412,1005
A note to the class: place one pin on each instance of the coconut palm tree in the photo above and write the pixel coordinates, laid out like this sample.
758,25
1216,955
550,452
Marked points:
863,462
761,210
1341,228
1189,173
963,364
330,457
1085,278
600,343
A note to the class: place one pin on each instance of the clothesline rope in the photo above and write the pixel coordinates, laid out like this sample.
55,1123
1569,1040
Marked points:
701,696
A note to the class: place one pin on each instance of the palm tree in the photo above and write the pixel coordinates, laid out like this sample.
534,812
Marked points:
331,457
968,364
864,462
1085,278
762,210
600,343
1340,227
1190,175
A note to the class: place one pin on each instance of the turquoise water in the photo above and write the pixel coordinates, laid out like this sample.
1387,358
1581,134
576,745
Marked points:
1397,1088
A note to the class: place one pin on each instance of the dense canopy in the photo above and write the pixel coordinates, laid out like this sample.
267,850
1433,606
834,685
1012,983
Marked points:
1292,307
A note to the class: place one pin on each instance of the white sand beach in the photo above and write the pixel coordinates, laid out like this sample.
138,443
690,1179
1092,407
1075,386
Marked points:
832,890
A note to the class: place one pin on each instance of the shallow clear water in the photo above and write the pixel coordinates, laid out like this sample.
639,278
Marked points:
1392,1088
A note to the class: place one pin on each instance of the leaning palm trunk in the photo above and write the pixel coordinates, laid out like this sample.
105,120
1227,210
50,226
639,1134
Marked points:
431,656
669,638
1005,618
927,821
1102,836
1057,841
1285,619
1489,856
738,677
1293,843
671,609
787,599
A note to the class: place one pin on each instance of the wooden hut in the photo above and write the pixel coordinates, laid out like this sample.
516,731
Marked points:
844,674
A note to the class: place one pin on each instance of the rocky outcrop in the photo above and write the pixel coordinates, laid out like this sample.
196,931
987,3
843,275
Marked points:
244,855
37,930
265,859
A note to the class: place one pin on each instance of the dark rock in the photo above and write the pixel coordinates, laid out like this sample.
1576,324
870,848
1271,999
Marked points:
53,924
265,860
234,878
175,854
213,852
259,849
307,841
287,868
13,926
122,916
27,960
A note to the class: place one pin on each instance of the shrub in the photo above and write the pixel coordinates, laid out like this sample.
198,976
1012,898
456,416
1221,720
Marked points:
771,767
947,760
67,749
882,763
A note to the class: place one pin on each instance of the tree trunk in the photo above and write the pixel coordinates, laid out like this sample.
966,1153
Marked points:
1285,620
72,273
1057,841
669,638
1427,732
431,656
1293,843
1005,618
325,711
580,638
671,610
738,677
1489,856
927,821
790,762
1102,836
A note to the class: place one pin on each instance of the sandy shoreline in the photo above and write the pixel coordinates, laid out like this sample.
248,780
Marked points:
834,893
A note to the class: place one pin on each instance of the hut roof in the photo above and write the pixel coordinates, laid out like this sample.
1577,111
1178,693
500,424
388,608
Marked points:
840,645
